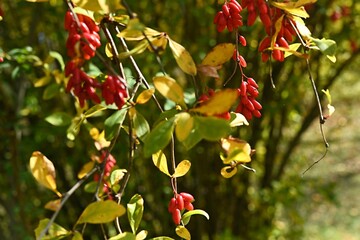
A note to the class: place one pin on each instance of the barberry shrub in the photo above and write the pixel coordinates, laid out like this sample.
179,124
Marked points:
210,115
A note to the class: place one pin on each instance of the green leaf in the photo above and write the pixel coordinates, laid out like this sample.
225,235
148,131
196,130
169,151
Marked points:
55,231
183,58
327,47
139,48
170,89
58,57
124,236
59,119
101,212
182,232
135,210
219,55
113,123
184,125
140,124
186,217
162,238
182,168
91,187
117,175
160,161
96,109
159,137
77,236
51,91
212,128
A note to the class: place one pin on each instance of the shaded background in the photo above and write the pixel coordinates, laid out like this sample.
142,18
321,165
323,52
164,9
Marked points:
274,203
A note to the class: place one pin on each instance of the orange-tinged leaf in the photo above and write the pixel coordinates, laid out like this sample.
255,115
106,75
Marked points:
208,71
182,168
182,232
219,55
160,161
184,125
183,58
228,172
101,212
170,89
43,170
219,103
145,96
85,169
53,205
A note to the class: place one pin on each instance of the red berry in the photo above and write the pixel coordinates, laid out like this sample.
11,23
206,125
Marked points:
176,216
179,202
172,205
189,206
242,40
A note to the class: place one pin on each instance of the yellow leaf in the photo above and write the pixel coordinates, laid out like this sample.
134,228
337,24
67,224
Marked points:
145,96
184,125
183,58
278,26
137,35
228,172
182,232
182,168
300,3
99,138
219,55
160,162
88,4
170,89
85,169
43,170
158,42
292,8
236,150
53,205
37,1
219,103
108,50
300,25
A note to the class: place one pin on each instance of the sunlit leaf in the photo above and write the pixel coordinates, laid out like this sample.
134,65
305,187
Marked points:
93,111
135,210
160,162
162,238
228,171
110,6
59,119
300,3
145,96
238,120
43,170
37,1
182,232
331,108
86,168
183,58
92,5
170,89
219,103
136,34
184,125
292,48
182,168
186,217
77,236
278,26
55,231
293,8
139,48
141,235
108,50
300,25
124,236
159,137
101,212
117,175
236,149
53,205
99,138
219,55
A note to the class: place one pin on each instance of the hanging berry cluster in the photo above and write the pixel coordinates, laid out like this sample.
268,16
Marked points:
82,42
229,16
248,106
182,201
108,167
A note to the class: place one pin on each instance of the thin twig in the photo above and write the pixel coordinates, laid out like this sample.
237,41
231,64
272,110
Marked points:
64,199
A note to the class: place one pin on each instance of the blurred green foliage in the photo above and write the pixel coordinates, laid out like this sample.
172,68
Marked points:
265,205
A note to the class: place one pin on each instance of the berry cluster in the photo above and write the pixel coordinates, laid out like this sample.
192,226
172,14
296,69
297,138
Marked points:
178,203
81,45
229,16
114,91
108,167
205,97
248,106
269,16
